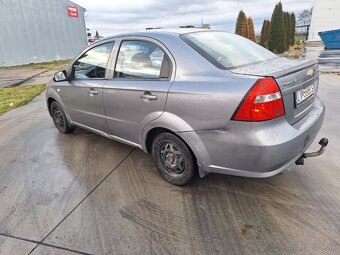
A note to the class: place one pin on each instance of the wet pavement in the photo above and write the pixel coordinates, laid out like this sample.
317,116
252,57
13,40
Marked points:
84,194
329,60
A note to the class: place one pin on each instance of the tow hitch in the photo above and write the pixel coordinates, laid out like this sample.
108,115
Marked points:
323,142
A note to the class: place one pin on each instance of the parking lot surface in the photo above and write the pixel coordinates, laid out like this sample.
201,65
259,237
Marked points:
329,60
84,194
30,74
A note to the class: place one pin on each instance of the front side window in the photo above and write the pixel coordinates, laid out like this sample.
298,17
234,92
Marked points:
92,64
226,50
139,60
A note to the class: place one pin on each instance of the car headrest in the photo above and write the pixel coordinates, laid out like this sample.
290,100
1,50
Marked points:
141,59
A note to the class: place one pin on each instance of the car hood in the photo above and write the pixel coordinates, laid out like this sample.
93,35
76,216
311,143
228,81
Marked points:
276,67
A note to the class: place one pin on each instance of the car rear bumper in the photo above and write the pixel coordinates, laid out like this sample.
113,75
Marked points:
260,149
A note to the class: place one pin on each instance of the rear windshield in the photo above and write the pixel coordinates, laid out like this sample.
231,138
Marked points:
226,50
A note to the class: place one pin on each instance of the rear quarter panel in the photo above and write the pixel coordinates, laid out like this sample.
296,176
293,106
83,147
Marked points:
202,96
206,102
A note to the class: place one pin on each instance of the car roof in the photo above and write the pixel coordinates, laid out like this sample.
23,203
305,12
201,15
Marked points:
160,32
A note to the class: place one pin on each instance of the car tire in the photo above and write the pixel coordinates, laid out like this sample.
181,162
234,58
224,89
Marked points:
173,159
59,119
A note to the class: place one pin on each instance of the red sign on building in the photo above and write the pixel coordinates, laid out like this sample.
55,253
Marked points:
72,11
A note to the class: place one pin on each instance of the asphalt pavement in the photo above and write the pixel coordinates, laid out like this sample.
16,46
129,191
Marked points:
84,194
329,60
12,77
29,74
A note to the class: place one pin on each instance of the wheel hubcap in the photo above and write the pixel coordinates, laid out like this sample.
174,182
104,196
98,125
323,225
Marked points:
58,117
172,158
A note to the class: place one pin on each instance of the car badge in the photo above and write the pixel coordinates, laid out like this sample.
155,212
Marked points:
310,72
289,84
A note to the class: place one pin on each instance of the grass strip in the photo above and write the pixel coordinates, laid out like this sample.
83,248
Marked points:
51,65
11,98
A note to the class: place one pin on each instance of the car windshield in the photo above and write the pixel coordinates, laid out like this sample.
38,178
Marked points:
226,50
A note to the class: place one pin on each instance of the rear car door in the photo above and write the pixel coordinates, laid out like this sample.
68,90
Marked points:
137,91
83,95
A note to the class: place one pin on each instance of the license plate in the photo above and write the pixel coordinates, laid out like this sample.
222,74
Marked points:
303,94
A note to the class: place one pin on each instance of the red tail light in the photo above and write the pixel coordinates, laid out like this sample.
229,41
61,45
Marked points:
262,102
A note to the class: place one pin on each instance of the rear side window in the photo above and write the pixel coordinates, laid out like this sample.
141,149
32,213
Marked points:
141,60
92,64
226,50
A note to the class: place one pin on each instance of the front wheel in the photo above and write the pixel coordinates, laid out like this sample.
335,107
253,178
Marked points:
173,159
59,119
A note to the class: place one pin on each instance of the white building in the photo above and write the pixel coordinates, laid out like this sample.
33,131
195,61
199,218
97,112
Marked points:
40,30
326,16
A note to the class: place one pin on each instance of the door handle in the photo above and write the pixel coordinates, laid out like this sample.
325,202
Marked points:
148,96
93,92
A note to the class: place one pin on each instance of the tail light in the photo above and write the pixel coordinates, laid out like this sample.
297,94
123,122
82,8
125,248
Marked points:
262,102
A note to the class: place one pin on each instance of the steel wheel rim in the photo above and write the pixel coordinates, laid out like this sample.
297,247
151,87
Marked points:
58,118
172,158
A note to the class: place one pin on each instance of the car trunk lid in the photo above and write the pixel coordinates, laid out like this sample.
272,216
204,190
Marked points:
298,81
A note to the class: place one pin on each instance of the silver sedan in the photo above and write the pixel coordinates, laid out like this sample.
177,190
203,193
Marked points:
201,101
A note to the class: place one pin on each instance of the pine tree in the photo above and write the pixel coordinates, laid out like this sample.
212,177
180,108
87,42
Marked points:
241,24
97,34
277,35
292,29
251,30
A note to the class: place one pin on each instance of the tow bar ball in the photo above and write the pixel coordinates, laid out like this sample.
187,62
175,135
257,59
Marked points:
323,142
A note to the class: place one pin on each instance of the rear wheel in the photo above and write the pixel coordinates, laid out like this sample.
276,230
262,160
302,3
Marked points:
173,159
59,119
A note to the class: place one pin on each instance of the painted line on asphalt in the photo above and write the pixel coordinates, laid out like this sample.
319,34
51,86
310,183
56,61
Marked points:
44,244
42,241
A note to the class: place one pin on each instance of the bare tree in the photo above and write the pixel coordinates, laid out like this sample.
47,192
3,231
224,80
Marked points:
305,17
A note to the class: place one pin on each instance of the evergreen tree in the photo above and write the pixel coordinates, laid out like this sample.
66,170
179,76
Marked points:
292,28
241,25
265,33
277,35
97,34
268,26
251,30
262,39
287,23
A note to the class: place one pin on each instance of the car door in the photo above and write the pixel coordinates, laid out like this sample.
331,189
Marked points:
83,95
137,91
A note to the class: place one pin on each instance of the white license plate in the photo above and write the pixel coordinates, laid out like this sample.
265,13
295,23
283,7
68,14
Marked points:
303,94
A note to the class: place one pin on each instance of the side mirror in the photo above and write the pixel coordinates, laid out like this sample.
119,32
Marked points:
60,76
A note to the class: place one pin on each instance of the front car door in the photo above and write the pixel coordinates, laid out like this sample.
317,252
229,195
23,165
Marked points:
83,95
137,91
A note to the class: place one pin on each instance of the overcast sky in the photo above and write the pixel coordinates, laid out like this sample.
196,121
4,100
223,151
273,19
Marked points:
116,16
